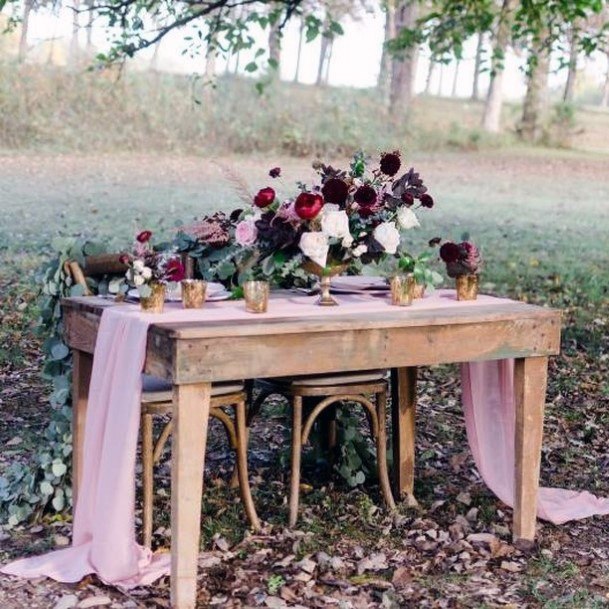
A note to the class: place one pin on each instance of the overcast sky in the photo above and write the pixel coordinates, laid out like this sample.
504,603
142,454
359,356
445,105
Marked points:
355,59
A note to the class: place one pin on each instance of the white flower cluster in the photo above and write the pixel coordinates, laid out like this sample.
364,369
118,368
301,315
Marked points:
139,273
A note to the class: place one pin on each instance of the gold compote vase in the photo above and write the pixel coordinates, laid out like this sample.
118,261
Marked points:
325,275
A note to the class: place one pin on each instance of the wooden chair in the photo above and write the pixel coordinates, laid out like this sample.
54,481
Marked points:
327,391
157,401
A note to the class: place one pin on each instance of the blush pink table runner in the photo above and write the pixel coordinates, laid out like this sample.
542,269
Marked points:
104,529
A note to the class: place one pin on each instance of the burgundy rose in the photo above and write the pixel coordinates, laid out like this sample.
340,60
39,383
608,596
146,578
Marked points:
144,236
308,205
450,252
264,197
365,196
336,191
124,258
407,199
390,163
426,200
275,172
174,271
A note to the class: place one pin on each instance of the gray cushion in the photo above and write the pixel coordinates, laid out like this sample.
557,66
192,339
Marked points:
156,390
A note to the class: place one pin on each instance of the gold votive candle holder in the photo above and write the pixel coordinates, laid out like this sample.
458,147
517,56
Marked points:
402,290
156,301
467,287
193,293
419,290
256,296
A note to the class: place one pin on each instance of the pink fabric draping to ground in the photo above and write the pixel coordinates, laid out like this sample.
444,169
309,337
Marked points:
490,416
104,534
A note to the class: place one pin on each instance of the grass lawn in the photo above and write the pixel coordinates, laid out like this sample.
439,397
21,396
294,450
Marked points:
542,221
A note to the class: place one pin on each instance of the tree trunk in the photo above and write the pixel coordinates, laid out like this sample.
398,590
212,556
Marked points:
535,100
275,48
210,63
25,25
441,80
491,120
456,79
323,55
430,71
404,66
384,80
605,99
478,67
299,52
326,75
89,47
569,93
74,46
154,60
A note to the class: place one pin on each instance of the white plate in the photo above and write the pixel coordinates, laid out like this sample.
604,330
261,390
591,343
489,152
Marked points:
358,284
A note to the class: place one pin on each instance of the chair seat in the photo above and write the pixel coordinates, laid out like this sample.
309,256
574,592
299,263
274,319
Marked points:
330,379
156,390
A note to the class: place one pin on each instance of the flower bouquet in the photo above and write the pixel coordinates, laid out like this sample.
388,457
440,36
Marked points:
463,263
347,216
150,271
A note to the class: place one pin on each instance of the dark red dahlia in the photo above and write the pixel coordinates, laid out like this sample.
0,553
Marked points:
308,205
275,172
336,191
144,236
390,163
174,271
450,252
264,197
365,196
426,200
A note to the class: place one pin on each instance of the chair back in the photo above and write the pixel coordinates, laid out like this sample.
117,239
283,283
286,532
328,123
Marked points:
95,266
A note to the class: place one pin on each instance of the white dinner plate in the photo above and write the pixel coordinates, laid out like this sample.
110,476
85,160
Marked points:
358,285
215,291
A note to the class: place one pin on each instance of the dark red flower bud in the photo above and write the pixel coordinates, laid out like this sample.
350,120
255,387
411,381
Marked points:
124,259
275,172
390,163
264,197
407,198
308,205
144,236
336,191
426,200
435,241
365,196
450,252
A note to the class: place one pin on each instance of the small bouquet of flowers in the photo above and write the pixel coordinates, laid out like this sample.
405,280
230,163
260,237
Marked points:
463,263
349,215
150,271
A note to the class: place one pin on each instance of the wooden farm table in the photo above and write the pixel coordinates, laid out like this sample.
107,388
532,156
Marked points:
193,355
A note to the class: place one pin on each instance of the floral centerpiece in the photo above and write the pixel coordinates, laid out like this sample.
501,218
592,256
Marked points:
463,263
347,216
150,271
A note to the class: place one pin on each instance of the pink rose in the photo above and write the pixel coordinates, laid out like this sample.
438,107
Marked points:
246,233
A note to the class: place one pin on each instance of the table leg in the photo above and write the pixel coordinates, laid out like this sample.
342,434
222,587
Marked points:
403,414
82,366
530,380
191,405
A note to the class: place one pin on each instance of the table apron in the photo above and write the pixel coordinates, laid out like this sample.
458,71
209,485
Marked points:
187,361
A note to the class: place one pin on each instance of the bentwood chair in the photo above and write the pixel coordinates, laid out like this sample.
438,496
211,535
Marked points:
326,392
157,402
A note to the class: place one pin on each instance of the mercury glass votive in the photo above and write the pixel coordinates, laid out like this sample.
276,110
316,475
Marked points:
467,287
402,289
256,296
193,293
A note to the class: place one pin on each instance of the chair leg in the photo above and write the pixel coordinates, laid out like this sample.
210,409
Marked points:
147,478
381,450
241,448
296,455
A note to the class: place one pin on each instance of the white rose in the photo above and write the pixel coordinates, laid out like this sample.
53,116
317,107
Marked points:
146,273
328,207
138,266
138,280
407,218
388,236
335,224
359,250
347,241
315,246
